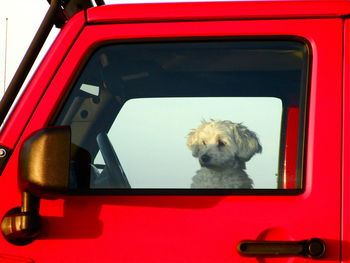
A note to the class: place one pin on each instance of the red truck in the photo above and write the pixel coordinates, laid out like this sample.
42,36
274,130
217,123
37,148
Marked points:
96,153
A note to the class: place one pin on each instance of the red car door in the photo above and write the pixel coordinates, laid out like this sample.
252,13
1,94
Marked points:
158,220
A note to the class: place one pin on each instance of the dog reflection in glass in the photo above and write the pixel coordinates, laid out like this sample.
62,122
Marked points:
223,148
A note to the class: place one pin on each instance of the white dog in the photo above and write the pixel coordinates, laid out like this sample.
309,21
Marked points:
223,148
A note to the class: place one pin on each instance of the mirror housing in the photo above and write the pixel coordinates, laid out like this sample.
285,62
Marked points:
44,162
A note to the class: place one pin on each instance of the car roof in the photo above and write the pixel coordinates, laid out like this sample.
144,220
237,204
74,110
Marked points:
196,11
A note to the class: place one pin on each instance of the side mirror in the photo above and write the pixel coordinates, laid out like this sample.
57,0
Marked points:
44,162
43,172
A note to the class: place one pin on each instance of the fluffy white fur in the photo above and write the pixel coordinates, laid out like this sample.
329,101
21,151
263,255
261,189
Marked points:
222,148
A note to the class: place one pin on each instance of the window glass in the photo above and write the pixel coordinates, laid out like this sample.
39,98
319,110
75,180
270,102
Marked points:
220,114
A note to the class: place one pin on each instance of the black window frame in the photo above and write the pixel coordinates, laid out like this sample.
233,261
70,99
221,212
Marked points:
302,127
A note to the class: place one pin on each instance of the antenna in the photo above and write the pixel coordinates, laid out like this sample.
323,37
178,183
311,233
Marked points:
5,56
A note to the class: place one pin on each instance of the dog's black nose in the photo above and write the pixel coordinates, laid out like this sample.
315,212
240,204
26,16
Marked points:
205,158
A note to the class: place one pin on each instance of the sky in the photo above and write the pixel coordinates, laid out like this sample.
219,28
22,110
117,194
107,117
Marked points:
22,18
21,28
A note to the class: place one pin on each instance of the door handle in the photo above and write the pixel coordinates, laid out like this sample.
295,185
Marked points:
311,248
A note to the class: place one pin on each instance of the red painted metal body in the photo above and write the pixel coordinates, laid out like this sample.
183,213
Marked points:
194,228
289,180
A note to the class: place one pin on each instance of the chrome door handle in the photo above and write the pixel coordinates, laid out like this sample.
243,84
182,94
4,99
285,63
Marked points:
311,248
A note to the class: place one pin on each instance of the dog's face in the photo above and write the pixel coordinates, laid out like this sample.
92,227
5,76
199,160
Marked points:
222,144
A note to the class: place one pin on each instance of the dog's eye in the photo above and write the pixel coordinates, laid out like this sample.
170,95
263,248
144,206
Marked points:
221,143
204,143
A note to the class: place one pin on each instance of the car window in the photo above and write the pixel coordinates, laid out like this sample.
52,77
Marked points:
214,114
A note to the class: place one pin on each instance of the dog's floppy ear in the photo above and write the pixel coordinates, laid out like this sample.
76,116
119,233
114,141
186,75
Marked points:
247,142
192,143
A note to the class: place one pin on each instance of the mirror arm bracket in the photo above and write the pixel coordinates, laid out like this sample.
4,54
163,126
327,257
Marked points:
21,225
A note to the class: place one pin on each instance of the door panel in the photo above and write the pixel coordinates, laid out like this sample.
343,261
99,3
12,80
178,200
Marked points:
204,228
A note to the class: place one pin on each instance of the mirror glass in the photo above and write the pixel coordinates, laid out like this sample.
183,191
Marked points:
189,114
150,138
